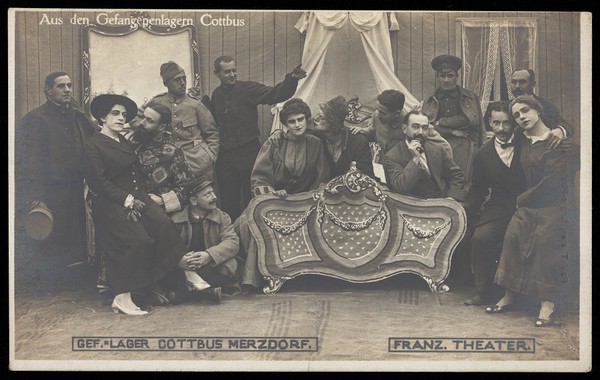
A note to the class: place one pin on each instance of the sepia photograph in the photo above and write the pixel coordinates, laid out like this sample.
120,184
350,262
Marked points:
270,190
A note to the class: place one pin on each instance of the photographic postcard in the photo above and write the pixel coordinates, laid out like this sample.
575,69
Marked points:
323,314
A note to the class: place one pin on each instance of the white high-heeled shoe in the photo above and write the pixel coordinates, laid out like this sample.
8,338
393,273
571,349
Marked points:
194,281
119,305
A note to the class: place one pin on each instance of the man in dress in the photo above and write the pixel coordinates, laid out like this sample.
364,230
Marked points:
421,167
455,112
234,103
48,146
293,163
496,169
341,146
522,82
194,128
535,258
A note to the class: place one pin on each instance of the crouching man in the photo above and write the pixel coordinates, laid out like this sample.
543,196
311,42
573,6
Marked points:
208,232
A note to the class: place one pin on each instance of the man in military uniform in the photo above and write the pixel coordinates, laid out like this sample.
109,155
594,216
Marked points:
385,127
455,112
194,128
208,232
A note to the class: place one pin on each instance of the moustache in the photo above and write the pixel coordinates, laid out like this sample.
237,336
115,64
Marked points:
517,91
420,137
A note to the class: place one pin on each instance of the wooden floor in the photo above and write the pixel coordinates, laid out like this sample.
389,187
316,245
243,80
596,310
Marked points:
348,322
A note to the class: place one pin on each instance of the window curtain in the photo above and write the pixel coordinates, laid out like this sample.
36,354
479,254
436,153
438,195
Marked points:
482,40
373,29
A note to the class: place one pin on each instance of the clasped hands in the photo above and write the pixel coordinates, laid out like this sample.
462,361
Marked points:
194,260
135,211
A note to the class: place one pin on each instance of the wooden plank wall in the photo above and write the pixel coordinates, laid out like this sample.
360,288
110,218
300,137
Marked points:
268,46
423,35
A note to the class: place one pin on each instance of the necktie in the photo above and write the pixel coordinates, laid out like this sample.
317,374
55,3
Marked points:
506,145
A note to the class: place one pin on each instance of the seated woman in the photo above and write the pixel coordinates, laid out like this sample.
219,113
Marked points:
341,146
534,258
293,164
139,242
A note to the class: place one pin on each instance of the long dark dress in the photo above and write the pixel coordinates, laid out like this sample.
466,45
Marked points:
534,255
137,254
295,166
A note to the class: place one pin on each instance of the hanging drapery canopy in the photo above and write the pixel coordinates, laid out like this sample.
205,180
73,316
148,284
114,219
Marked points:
369,70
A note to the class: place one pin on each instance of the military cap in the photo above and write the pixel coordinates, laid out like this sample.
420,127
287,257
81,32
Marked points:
446,62
169,69
196,184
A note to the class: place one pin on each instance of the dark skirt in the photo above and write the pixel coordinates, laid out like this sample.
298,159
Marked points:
534,256
137,254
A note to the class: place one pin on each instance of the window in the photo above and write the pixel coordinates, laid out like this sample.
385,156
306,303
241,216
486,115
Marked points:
492,48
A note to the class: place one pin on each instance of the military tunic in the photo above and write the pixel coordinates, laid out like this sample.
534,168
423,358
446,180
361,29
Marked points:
194,131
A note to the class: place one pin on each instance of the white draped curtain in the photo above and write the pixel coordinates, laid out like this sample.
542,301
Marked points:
368,69
491,50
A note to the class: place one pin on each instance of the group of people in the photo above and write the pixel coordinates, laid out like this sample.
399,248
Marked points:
154,186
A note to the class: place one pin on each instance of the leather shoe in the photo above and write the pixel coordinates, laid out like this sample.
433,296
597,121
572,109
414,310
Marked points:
177,297
156,296
499,309
211,294
546,322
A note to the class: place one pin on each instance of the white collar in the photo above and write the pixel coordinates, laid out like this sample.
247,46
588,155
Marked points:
505,142
535,139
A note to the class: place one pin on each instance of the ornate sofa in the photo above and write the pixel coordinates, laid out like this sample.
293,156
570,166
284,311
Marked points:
355,230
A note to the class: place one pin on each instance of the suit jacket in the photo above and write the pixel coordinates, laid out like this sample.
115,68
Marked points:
404,176
490,174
